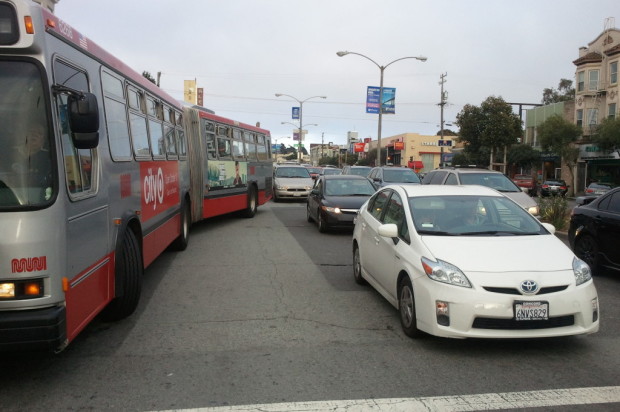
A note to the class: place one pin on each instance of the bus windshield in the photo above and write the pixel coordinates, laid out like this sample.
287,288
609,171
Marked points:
25,156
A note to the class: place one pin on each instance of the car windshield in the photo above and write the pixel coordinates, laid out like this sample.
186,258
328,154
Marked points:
315,170
472,216
26,157
349,187
555,183
292,172
400,176
495,181
359,171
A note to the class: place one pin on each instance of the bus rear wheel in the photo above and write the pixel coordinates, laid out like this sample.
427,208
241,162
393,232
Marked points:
250,211
129,271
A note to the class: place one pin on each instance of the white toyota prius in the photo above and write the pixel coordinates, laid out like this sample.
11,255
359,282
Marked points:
468,262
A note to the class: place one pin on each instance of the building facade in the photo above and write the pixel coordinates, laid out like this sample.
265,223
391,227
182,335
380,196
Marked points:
419,152
597,97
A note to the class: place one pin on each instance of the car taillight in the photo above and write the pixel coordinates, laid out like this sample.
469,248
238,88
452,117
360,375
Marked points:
589,190
545,186
563,187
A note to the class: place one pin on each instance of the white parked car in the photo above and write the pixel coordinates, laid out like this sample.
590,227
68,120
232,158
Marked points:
450,258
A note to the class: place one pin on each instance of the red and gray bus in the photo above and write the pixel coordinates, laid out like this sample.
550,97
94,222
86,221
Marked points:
100,172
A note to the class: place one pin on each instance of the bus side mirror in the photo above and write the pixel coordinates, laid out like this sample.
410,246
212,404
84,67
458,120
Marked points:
84,120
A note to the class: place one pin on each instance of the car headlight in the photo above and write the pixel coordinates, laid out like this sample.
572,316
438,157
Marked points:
328,209
582,271
445,272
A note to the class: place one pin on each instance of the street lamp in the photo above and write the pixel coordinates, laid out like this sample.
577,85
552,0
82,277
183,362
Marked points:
381,68
301,103
300,134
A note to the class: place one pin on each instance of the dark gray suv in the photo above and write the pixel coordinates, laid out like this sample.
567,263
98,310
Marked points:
385,175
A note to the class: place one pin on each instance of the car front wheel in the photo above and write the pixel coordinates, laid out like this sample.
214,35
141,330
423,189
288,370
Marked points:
587,250
406,306
321,222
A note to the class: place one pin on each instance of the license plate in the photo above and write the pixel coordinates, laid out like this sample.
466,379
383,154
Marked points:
531,310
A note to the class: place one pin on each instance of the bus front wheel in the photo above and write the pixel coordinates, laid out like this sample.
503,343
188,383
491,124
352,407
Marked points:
129,271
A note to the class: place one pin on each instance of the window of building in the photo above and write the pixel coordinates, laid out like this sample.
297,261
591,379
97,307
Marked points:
612,111
580,81
613,72
592,117
579,116
593,79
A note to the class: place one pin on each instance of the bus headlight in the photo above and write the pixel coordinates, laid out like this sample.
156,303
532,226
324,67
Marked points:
21,289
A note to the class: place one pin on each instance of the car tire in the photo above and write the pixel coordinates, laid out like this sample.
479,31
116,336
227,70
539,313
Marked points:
357,267
323,226
406,308
587,250
308,216
276,199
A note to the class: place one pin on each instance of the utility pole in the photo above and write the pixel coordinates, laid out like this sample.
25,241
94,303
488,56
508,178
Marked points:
322,145
444,100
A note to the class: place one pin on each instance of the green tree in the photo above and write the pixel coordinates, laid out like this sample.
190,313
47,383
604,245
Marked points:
487,128
557,134
563,93
148,76
608,134
523,156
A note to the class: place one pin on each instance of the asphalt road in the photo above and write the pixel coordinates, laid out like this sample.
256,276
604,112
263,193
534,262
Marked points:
265,311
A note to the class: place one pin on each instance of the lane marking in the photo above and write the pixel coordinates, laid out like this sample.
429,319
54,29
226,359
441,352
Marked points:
485,401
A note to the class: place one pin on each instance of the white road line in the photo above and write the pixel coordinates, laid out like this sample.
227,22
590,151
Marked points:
485,401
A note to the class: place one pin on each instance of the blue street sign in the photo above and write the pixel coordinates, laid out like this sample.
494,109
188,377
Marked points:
389,99
444,142
295,112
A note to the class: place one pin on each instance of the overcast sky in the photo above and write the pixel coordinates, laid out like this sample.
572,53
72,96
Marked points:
243,52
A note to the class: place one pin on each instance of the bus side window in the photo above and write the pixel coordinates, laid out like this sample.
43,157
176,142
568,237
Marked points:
79,163
263,154
182,142
223,142
170,140
116,116
210,137
250,145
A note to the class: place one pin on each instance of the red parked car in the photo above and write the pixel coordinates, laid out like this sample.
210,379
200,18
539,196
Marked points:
527,183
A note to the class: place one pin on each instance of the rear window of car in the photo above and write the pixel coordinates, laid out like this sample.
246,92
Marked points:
400,176
496,181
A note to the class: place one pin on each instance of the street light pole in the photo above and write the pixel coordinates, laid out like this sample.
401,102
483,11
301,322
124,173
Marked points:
381,69
301,103
300,133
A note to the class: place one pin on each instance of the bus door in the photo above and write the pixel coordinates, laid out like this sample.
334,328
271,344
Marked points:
89,262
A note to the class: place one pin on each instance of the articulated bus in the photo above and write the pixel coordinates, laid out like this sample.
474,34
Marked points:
100,172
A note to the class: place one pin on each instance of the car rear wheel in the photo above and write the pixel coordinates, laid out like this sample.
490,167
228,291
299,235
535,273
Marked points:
357,267
406,306
587,250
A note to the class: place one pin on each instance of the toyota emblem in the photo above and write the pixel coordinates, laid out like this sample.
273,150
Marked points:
529,287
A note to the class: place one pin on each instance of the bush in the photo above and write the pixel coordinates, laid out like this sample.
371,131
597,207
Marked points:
553,209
